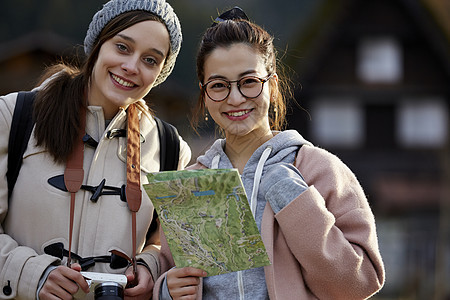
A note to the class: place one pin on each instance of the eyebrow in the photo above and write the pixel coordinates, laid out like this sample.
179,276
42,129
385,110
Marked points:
130,39
243,74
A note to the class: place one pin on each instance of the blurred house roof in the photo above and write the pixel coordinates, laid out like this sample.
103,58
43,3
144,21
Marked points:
440,9
22,60
48,42
430,17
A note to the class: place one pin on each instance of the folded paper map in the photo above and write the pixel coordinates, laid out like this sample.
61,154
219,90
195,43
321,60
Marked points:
207,220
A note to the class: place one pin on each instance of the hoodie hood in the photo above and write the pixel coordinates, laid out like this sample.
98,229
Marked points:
284,146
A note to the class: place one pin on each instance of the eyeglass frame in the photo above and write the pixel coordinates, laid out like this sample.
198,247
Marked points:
229,82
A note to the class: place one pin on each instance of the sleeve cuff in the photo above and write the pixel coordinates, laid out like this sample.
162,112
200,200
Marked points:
149,259
164,293
44,279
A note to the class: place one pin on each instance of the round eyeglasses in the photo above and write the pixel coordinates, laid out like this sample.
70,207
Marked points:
249,86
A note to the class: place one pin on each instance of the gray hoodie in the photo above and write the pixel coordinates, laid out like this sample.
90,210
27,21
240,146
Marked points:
283,147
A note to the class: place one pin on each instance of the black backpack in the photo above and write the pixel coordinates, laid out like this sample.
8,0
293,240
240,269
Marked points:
22,125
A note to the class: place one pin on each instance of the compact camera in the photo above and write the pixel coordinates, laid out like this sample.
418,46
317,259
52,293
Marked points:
103,286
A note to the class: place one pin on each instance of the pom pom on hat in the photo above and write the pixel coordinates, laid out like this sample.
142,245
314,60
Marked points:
160,8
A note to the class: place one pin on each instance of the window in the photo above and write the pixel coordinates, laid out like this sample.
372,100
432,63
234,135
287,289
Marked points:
422,123
337,122
379,60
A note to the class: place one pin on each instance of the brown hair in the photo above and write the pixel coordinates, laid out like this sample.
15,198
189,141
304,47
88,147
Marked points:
59,104
228,32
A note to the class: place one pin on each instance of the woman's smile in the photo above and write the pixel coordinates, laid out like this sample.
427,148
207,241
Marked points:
122,82
237,115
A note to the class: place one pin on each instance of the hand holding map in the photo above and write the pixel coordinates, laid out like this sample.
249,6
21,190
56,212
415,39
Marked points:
207,220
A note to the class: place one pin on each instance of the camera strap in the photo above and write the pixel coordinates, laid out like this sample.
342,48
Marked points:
133,188
74,174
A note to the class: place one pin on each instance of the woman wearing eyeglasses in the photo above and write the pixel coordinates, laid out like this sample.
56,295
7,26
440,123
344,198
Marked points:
312,213
78,203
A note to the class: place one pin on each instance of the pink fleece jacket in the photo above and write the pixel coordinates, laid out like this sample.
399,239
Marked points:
324,244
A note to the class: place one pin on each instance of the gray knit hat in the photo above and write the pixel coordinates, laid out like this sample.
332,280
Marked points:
160,8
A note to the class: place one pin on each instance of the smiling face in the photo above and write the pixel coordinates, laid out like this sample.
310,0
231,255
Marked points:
128,65
237,115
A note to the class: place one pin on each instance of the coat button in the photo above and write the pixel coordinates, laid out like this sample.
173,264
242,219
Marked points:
7,289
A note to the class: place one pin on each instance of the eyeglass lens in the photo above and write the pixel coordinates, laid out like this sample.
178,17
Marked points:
249,87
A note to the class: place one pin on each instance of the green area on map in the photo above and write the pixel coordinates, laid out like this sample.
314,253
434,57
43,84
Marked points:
207,220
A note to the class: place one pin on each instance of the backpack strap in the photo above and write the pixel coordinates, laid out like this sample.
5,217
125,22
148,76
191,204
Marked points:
169,146
19,135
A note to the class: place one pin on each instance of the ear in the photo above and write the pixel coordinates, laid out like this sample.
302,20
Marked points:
202,94
274,86
275,76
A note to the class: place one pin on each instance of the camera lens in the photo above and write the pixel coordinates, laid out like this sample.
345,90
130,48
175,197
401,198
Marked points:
108,291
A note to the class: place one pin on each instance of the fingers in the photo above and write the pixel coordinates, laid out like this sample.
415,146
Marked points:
80,280
184,282
76,267
188,271
131,280
144,284
185,293
62,283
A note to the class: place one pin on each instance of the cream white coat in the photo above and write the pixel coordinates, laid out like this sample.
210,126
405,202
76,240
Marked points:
38,213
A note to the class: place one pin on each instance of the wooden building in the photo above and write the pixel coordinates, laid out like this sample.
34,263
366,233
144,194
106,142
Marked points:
375,90
22,60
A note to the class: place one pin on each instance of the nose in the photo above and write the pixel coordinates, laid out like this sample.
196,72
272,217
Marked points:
131,65
235,97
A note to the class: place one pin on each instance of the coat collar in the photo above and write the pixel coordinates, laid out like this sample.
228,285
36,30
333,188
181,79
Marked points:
149,135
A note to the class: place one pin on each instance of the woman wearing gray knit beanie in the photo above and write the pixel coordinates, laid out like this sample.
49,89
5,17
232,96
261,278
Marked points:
77,210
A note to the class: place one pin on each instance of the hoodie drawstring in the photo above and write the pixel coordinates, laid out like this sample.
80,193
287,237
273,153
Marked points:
215,162
257,179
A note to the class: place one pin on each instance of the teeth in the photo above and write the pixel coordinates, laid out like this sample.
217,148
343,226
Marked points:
121,81
238,113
